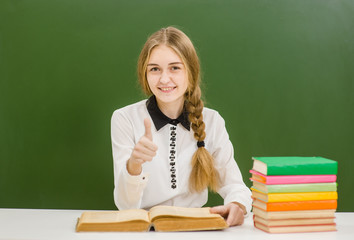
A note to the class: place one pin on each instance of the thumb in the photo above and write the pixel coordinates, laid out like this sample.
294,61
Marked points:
147,124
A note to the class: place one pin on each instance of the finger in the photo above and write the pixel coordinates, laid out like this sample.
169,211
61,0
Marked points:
147,143
142,148
231,218
222,210
147,124
235,216
141,157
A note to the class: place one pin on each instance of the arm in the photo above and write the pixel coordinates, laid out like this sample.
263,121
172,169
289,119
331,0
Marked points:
236,195
129,180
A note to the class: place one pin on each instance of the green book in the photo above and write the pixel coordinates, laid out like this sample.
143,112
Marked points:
294,166
304,187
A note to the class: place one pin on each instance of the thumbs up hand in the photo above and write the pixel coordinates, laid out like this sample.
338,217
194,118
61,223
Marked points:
144,151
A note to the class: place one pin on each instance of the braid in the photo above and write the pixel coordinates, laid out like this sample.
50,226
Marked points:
195,109
203,173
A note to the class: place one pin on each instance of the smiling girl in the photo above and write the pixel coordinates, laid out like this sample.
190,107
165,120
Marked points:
169,149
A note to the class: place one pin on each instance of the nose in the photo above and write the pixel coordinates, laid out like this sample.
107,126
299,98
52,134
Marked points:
165,77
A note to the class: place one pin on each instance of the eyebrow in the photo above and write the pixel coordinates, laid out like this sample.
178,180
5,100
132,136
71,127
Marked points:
172,63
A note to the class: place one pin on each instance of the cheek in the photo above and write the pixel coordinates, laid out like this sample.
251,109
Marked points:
152,83
151,79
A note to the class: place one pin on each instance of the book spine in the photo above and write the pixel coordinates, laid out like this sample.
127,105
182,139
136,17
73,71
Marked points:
305,169
294,179
301,179
286,197
309,187
323,213
297,228
292,222
300,205
299,165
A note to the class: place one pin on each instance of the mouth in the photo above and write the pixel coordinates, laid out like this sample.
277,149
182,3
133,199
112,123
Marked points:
166,89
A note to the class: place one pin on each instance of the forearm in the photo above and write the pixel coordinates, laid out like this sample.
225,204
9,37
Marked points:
128,191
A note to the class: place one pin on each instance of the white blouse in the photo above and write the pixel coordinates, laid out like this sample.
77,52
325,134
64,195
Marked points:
164,180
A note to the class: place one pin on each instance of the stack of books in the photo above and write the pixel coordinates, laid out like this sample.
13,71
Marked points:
294,194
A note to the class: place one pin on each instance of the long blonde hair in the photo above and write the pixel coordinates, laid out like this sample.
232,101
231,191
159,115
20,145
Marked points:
203,173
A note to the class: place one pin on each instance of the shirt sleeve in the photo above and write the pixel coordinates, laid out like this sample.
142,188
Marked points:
232,189
128,189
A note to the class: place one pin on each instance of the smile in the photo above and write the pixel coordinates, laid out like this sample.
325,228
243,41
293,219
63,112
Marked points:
167,89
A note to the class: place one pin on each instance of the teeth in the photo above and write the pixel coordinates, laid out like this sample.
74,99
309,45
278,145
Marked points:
167,89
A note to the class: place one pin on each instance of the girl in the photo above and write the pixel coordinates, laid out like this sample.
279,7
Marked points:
169,149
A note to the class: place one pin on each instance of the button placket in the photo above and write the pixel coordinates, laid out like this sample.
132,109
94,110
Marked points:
173,156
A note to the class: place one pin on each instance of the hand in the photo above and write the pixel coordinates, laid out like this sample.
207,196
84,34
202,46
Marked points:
232,212
144,151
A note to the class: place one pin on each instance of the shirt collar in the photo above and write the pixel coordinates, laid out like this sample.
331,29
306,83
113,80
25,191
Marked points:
160,119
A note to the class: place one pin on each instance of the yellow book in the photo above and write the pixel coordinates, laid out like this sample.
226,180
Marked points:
161,218
298,196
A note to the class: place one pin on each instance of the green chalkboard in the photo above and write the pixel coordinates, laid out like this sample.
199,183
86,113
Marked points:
281,73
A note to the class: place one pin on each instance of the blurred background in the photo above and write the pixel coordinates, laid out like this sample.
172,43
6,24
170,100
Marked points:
281,73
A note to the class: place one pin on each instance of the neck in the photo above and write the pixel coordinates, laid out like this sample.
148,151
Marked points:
171,110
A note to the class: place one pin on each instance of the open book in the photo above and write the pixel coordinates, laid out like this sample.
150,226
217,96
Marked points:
161,218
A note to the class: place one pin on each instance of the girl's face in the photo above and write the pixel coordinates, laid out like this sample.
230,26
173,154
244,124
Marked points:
167,77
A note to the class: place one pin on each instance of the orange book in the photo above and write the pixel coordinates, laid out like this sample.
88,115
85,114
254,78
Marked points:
295,205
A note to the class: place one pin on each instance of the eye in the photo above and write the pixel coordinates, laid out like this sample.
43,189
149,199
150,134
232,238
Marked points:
174,68
154,69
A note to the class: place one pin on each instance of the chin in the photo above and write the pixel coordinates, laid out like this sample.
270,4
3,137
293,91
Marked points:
169,99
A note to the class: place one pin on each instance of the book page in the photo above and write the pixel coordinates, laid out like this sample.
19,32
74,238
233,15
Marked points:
259,166
114,216
172,211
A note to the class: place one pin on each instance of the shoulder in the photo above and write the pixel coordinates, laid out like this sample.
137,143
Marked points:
130,115
131,109
212,116
215,129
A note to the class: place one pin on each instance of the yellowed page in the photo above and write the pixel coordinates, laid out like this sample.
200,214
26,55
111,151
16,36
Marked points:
114,216
172,211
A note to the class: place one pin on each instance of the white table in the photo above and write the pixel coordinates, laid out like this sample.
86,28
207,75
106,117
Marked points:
18,224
